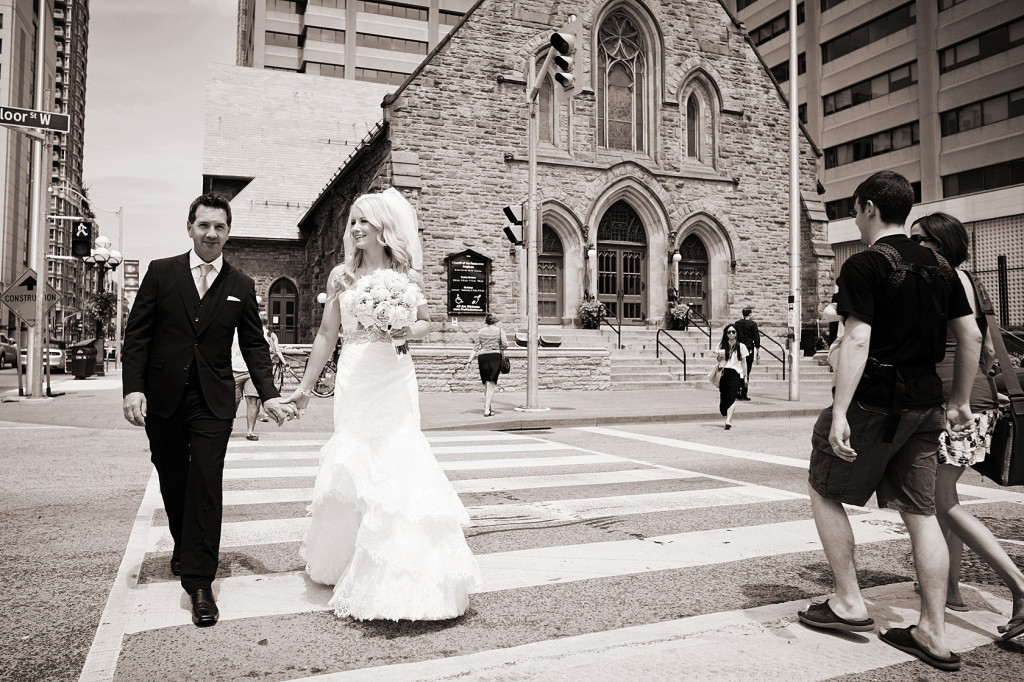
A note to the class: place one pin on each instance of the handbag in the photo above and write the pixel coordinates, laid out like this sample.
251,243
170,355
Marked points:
505,366
715,375
1004,462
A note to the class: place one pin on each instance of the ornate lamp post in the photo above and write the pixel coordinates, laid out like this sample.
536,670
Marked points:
102,259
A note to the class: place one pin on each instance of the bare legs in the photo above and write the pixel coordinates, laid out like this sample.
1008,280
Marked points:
489,388
959,526
728,414
252,410
930,558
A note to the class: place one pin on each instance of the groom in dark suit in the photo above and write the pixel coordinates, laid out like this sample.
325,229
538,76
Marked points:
179,385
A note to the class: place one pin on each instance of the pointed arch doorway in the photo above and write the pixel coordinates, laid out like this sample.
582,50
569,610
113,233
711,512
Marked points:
622,263
283,308
549,277
693,274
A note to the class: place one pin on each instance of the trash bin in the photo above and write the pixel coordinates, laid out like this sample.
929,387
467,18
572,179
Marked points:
83,358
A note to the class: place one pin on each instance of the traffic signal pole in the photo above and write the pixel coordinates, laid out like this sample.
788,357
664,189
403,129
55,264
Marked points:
531,232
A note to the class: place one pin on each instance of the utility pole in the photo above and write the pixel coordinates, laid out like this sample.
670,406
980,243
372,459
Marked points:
794,215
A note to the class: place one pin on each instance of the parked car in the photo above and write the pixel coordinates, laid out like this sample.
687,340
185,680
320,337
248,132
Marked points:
58,358
8,351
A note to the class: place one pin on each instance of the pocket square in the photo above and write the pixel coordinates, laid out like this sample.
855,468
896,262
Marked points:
232,298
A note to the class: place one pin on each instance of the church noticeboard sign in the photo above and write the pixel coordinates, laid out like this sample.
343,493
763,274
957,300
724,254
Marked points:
468,275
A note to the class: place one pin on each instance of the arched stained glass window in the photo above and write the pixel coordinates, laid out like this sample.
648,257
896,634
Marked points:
551,244
621,73
622,224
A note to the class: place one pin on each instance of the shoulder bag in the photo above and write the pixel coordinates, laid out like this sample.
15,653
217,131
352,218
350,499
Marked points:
715,375
1004,462
505,366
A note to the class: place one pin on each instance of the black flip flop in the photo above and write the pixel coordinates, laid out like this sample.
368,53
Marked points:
822,616
903,639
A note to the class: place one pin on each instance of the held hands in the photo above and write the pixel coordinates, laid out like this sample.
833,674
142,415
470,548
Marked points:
297,400
134,407
839,438
958,417
280,410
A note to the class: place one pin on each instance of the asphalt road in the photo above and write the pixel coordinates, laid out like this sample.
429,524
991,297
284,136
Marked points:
663,551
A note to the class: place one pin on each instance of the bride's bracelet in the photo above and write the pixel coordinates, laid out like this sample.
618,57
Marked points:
305,392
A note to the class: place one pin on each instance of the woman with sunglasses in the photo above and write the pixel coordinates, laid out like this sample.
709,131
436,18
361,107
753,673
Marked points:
945,235
732,358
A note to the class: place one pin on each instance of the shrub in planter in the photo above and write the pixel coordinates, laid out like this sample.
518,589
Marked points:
590,312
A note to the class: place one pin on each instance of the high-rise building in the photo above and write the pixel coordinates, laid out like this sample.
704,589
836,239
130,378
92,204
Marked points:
381,42
71,37
18,22
933,89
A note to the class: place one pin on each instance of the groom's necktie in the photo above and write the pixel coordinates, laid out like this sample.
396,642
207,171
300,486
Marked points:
203,283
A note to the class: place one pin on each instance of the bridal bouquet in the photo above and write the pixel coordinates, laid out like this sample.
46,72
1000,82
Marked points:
386,300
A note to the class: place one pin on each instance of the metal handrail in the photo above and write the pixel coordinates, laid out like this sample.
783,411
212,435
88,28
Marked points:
707,332
617,328
658,344
782,350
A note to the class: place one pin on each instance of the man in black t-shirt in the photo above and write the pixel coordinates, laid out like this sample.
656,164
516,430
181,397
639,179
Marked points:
881,434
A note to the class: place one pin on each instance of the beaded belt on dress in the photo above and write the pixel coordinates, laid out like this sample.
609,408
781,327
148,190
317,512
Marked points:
371,335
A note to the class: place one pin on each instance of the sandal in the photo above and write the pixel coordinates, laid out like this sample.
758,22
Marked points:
252,436
1014,628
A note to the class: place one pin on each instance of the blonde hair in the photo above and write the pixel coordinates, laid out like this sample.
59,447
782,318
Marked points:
381,211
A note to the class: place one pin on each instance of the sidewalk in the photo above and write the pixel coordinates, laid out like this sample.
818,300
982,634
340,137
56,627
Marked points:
96,403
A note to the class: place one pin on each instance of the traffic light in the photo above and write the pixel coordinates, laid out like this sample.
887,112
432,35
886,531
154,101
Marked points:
514,232
564,41
81,239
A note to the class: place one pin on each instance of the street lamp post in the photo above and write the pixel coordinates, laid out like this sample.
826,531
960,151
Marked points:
102,259
60,189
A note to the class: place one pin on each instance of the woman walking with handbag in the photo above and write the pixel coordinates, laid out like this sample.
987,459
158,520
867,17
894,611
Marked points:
732,359
945,235
489,352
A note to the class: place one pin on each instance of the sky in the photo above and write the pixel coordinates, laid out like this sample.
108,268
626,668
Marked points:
145,96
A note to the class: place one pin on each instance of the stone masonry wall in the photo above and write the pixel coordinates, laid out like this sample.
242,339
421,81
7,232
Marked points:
458,96
266,261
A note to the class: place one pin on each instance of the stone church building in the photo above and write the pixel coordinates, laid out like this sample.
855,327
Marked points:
667,168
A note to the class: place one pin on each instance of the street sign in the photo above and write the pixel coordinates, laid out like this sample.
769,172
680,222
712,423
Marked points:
31,118
20,297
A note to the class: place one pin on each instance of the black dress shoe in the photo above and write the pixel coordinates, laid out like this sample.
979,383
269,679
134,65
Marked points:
204,609
175,566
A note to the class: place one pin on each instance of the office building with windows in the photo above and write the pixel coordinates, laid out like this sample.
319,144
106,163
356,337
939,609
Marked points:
381,42
933,89
65,198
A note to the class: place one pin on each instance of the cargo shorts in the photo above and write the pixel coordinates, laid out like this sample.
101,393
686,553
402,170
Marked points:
901,474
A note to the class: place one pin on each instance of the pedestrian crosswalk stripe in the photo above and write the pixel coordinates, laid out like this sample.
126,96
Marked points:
268,496
698,447
160,604
476,437
236,444
623,505
526,462
252,456
441,450
479,485
728,645
270,472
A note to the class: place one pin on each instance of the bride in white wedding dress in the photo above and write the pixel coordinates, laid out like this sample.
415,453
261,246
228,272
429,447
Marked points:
386,527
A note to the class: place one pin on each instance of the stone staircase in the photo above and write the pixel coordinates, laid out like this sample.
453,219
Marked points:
636,366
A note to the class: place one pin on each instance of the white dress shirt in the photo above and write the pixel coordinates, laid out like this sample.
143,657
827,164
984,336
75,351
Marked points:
194,261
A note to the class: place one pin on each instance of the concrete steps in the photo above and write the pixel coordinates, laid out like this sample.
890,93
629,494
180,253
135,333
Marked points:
633,370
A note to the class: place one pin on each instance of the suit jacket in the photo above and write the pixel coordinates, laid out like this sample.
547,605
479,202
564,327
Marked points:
170,329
